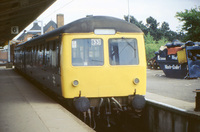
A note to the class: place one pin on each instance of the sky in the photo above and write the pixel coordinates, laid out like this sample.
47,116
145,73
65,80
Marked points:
161,10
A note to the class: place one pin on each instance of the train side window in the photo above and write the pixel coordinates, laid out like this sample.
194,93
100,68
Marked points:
53,54
47,55
123,51
40,55
36,54
40,47
50,52
87,52
28,55
58,53
33,55
43,54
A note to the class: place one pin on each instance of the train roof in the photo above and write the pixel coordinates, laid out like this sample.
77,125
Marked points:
89,24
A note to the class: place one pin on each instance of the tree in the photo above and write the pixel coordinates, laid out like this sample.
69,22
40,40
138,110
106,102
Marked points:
165,27
162,41
137,23
155,36
151,46
156,32
149,39
191,23
152,25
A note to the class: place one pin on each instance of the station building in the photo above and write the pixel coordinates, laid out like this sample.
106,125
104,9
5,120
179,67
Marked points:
36,29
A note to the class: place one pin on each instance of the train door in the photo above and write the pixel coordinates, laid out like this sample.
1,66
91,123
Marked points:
55,55
52,64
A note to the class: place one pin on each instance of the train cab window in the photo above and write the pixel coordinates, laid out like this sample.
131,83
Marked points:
123,51
87,52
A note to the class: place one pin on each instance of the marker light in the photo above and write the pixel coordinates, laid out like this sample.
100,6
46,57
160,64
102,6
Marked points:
104,31
136,81
75,83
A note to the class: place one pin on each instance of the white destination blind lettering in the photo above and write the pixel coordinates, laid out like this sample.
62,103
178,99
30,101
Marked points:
95,42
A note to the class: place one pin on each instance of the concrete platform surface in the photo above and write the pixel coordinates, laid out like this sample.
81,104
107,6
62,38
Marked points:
177,93
24,108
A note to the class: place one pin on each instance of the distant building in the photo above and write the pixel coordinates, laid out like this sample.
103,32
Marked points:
36,29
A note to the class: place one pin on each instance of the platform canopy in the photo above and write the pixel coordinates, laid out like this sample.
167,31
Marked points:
15,15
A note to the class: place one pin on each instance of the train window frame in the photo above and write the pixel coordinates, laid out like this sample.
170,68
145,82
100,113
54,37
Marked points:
33,54
43,54
58,45
91,54
47,54
116,61
53,52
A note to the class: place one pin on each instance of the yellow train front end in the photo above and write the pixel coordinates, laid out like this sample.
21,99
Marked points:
92,65
103,67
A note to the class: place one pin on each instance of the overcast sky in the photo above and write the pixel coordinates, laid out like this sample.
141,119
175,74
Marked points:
161,10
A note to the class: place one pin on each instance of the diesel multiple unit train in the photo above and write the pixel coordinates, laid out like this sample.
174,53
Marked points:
95,62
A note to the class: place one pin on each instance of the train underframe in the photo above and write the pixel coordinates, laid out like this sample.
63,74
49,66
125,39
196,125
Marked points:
110,110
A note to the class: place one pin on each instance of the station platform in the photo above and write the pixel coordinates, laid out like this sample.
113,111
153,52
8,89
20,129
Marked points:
172,92
24,108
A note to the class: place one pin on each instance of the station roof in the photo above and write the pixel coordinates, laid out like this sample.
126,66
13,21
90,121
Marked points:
19,13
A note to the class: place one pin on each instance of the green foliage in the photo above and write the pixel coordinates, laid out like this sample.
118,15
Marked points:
150,50
152,23
152,28
165,27
162,41
137,23
149,39
191,23
152,46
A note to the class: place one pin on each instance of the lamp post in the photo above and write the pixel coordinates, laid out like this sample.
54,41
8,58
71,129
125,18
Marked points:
128,13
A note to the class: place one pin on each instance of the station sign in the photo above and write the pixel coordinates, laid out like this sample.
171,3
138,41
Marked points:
14,30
